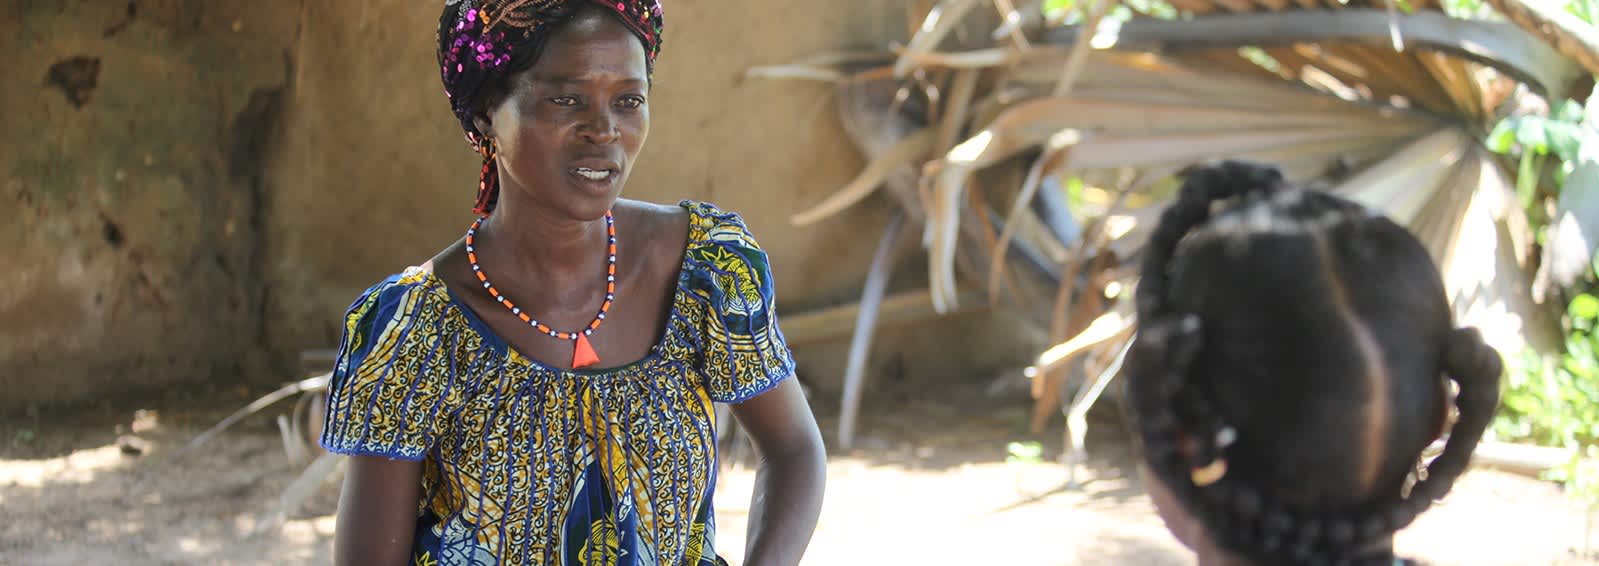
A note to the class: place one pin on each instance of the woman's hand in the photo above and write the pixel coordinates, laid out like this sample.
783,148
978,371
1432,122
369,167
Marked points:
377,511
790,478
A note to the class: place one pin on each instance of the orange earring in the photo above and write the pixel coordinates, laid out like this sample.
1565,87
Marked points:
488,179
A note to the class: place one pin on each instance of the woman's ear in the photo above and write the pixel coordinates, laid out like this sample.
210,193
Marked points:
484,125
481,118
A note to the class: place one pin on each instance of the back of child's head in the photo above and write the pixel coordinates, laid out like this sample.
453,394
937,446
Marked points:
1292,363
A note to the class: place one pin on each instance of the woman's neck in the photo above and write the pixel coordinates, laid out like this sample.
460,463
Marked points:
538,240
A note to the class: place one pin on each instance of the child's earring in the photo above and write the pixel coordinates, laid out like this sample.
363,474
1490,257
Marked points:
1217,468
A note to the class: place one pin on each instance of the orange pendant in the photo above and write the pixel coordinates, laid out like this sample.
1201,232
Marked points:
583,355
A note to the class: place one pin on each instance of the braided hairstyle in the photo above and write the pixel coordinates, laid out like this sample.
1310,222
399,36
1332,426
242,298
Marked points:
1290,369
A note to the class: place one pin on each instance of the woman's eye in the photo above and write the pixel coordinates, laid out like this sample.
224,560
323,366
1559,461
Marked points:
631,102
564,100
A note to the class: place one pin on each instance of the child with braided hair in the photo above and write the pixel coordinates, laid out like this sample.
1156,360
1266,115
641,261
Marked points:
1293,361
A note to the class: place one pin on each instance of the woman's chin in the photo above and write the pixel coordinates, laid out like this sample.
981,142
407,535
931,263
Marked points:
600,194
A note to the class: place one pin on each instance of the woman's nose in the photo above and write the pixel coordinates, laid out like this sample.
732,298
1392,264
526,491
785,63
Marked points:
599,127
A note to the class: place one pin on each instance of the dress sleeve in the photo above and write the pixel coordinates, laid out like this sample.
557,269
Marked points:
742,350
393,389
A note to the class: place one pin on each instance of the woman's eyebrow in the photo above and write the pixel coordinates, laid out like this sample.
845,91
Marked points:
571,80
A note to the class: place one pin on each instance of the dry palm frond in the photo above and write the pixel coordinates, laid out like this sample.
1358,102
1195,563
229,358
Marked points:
939,23
1574,38
1054,151
913,147
1315,88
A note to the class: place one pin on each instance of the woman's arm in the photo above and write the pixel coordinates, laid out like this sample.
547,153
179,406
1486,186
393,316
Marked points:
790,478
377,511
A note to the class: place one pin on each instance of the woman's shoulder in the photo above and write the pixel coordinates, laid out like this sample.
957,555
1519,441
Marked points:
690,225
395,382
411,304
411,288
712,225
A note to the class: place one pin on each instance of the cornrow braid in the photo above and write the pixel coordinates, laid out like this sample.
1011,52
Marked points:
1202,186
1184,438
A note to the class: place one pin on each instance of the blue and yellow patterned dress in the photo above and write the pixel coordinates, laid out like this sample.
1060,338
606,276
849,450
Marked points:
529,464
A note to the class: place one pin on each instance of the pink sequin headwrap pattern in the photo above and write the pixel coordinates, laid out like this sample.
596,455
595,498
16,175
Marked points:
479,40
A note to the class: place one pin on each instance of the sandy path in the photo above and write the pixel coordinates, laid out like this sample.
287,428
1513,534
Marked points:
942,497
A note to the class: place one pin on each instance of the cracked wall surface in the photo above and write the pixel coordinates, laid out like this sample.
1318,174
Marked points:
129,191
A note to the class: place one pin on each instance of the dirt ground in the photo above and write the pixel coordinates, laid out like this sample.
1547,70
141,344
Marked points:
928,484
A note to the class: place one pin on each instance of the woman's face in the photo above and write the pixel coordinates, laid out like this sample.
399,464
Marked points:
569,127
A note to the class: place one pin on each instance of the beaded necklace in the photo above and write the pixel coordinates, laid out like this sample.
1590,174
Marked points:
583,353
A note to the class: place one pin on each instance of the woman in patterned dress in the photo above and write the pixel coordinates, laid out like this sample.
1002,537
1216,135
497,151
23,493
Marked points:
541,391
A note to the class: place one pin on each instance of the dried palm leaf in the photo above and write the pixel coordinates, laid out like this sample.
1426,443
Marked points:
1503,46
911,149
957,108
939,22
1051,159
1116,325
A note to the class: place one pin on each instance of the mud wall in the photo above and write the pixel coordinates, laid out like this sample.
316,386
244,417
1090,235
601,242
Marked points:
129,180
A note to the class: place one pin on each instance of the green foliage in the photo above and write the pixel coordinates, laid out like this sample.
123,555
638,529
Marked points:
1024,453
1473,9
1554,401
1585,10
1068,10
1536,139
1260,57
1156,8
1058,7
1074,193
1580,476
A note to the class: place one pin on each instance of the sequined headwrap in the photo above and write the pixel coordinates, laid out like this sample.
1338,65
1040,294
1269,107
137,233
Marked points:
482,42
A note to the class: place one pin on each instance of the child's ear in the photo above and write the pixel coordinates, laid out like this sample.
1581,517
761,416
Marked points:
1443,411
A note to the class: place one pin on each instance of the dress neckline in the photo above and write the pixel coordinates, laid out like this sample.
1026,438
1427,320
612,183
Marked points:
655,353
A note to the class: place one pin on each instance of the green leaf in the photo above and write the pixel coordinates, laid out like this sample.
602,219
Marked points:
1564,138
1074,195
1530,134
1053,7
1031,452
1520,404
1527,181
1156,8
1587,11
1585,306
1569,111
1404,5
1503,137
